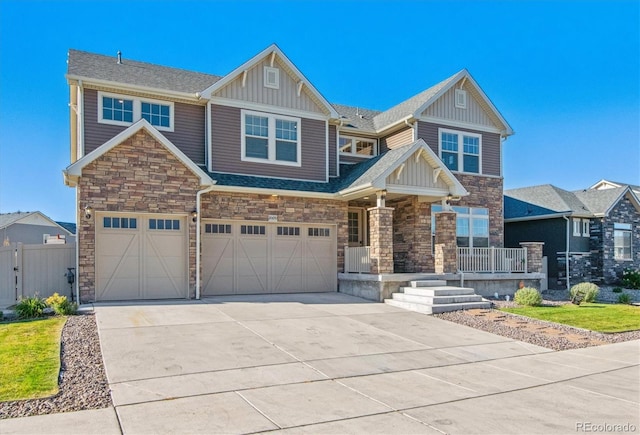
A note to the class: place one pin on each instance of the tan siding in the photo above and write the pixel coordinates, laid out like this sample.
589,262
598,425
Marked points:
491,147
255,91
226,148
397,139
333,152
414,174
475,113
188,134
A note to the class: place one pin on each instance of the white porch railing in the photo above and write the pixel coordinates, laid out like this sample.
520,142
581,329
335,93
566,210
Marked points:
357,259
492,259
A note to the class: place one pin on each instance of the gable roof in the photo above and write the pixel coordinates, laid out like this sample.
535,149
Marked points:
69,226
8,219
608,184
600,202
74,170
272,50
82,65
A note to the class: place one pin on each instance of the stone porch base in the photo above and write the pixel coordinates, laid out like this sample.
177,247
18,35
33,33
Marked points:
381,286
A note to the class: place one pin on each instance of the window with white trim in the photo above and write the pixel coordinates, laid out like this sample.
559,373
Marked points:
461,151
119,223
125,110
357,146
270,138
164,224
622,241
577,228
585,228
472,226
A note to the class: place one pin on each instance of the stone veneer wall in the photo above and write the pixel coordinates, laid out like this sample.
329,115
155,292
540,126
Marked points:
381,242
605,268
412,235
485,192
138,176
224,205
445,243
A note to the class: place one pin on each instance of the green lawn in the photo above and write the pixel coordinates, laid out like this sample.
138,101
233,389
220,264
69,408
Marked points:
30,358
595,317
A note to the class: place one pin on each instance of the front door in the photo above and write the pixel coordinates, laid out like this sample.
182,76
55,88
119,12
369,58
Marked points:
356,227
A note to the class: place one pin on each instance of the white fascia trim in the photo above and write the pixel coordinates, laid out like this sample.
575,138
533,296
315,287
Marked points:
508,131
267,108
273,48
605,183
458,124
626,191
75,170
415,190
279,192
536,218
357,189
137,88
455,187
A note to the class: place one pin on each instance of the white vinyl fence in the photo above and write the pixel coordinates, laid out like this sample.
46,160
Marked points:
29,269
357,259
492,260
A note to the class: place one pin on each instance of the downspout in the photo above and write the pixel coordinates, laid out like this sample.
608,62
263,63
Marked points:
566,252
198,253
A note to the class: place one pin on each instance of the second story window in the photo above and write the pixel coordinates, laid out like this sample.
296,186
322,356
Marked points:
270,138
125,110
460,151
357,146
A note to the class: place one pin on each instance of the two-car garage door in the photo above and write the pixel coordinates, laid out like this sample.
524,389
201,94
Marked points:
243,257
141,257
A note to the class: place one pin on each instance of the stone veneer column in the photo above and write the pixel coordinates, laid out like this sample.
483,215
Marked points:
534,255
381,239
445,244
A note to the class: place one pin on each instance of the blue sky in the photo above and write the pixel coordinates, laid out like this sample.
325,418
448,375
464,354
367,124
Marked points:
565,74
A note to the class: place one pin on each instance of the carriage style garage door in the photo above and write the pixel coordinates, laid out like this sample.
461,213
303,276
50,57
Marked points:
243,257
141,257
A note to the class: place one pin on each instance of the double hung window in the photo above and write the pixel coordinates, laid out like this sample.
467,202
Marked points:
270,138
461,151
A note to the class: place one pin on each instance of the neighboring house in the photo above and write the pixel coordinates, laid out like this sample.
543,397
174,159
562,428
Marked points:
33,228
601,226
193,184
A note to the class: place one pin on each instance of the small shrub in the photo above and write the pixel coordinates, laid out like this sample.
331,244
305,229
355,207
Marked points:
61,305
617,290
624,298
32,306
589,290
631,279
528,296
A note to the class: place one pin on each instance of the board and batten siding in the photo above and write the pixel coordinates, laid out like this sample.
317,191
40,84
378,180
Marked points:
285,96
415,174
188,134
490,150
445,108
226,137
396,139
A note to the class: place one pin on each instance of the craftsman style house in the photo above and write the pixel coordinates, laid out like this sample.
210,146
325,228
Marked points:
192,184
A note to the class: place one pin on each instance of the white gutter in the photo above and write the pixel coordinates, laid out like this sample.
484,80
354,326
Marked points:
566,252
198,253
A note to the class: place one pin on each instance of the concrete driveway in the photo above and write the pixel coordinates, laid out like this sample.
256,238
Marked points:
331,363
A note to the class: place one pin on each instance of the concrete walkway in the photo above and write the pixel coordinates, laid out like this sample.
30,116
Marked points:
331,363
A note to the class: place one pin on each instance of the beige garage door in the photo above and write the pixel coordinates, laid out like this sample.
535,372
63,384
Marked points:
252,258
141,257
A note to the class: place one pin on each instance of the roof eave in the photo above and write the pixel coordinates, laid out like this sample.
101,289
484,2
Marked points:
195,96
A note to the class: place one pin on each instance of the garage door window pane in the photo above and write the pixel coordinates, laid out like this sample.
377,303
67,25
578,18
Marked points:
106,223
176,224
124,222
133,223
253,229
152,224
115,222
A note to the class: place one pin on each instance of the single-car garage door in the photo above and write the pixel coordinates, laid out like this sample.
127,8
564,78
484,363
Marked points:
141,257
244,257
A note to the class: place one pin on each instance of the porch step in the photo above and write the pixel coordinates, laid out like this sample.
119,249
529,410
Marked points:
435,296
437,300
438,291
435,309
428,283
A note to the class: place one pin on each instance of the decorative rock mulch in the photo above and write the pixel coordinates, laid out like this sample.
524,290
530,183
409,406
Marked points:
83,382
546,334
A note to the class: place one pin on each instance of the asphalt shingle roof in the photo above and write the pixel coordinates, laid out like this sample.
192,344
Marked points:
358,117
97,66
599,201
7,219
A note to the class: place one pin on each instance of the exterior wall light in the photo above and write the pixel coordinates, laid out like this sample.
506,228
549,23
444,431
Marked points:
194,215
88,212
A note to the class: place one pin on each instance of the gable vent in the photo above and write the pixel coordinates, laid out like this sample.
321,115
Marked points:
461,99
271,77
